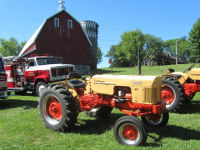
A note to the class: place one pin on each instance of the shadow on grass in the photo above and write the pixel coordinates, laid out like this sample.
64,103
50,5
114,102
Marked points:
190,108
29,93
26,104
96,126
100,126
172,131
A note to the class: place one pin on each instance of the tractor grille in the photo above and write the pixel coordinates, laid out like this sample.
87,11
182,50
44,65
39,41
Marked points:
60,73
152,95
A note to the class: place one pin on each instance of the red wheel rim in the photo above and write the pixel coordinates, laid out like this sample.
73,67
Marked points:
54,109
130,132
167,94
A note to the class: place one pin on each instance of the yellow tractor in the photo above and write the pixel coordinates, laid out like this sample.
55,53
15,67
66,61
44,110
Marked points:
136,96
180,87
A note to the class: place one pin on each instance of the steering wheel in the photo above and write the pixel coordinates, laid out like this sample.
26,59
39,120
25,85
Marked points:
189,68
73,77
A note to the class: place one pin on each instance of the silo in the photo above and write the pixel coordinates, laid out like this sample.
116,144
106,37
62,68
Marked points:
91,29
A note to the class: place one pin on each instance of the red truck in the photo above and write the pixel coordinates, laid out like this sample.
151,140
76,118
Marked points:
4,92
35,72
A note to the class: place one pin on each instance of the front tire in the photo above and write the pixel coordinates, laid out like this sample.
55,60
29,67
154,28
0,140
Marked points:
130,131
58,108
156,119
40,88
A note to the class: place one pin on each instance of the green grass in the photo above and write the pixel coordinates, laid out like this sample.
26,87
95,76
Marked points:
146,70
21,126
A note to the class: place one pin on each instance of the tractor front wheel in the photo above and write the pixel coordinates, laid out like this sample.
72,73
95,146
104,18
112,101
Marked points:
58,108
156,119
130,131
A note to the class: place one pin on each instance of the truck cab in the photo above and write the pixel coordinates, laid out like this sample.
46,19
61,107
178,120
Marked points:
35,72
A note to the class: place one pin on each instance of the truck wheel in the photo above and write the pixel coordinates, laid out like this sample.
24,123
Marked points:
172,94
156,119
130,131
40,87
58,108
101,112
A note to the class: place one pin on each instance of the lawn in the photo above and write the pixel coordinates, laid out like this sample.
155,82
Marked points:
22,128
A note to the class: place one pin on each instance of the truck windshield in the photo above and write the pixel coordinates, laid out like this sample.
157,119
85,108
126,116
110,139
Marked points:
47,61
1,65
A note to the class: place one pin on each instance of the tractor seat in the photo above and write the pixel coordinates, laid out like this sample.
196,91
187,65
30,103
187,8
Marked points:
76,83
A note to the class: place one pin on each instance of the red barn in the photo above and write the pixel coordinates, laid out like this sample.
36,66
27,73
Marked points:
61,35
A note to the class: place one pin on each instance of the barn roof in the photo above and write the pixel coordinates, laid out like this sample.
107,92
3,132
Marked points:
28,47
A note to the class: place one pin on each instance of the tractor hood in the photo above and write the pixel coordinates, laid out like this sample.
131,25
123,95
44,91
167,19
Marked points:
144,89
194,74
124,80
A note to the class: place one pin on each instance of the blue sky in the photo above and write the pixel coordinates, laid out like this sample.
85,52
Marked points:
166,19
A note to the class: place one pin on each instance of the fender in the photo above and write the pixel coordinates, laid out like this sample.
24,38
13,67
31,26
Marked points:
46,78
71,89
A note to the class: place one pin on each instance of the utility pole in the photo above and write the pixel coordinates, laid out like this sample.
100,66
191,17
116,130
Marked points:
176,52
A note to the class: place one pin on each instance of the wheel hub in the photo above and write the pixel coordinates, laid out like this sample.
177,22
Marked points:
167,95
130,132
54,109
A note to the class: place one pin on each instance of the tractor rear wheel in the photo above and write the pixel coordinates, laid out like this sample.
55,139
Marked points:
101,112
156,119
172,94
130,131
58,108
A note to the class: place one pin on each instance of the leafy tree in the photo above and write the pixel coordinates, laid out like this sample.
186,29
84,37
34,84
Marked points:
194,37
118,56
171,45
183,47
153,49
131,43
125,53
10,47
99,55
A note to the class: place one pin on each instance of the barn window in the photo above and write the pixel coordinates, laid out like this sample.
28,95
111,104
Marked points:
56,22
69,24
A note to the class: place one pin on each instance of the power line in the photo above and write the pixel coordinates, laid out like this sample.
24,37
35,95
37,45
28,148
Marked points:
37,20
19,18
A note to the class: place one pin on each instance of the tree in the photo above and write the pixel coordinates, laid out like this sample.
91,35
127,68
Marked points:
10,47
184,47
153,49
99,55
194,37
118,56
131,43
125,53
